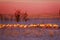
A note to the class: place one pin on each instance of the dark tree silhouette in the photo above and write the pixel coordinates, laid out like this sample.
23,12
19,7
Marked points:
25,16
59,12
17,15
1,17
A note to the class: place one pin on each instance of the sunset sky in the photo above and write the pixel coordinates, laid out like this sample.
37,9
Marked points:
35,8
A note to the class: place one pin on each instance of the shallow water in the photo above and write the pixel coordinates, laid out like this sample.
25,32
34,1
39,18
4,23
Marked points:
34,21
29,34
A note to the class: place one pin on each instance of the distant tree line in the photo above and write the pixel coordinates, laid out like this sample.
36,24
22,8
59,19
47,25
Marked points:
17,15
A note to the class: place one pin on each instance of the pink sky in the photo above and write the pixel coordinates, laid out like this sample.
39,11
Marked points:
33,8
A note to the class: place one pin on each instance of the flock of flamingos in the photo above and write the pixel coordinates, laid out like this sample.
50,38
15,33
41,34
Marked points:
55,26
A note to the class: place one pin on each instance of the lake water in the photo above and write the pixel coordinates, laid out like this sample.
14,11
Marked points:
34,21
30,33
